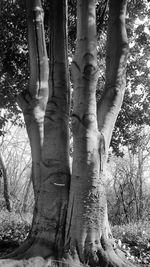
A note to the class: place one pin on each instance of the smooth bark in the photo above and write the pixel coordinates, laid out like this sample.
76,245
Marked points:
33,101
87,202
116,60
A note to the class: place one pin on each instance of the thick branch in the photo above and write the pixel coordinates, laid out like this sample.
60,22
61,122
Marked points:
37,48
116,59
86,51
84,65
59,79
33,100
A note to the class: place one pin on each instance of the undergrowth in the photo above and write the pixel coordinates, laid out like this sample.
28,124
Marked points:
133,239
14,229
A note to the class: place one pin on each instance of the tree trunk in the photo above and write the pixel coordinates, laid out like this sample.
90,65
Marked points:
55,169
88,235
5,183
26,195
140,181
33,101
48,229
116,59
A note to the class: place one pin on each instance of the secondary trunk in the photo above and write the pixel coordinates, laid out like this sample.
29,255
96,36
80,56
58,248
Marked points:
88,235
116,60
33,101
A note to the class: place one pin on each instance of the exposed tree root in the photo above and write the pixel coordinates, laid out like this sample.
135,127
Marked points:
36,249
31,248
23,247
103,256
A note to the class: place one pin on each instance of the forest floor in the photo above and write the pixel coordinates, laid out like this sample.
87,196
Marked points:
133,239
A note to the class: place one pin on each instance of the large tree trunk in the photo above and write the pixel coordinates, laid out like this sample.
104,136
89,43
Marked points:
88,235
55,169
48,229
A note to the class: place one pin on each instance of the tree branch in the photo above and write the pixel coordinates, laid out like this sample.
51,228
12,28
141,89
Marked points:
116,59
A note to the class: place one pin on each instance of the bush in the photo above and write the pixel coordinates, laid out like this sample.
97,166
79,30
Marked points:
13,226
134,240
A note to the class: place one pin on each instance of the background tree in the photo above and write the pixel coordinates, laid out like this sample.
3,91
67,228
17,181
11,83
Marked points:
5,183
16,152
128,187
